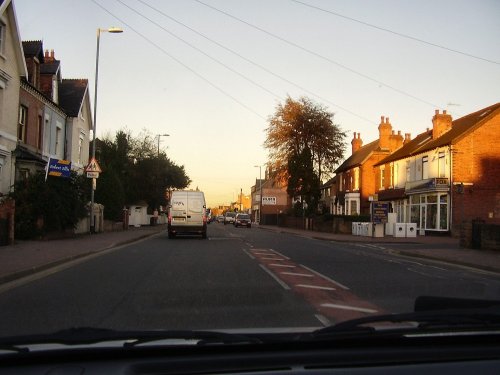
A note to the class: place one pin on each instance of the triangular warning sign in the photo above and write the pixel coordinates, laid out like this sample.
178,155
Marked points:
93,166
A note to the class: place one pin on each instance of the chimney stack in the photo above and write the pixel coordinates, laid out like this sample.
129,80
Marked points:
441,123
407,138
385,130
356,142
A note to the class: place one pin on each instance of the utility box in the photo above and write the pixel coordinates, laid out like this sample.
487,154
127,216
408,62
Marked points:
378,230
411,230
399,229
391,220
356,229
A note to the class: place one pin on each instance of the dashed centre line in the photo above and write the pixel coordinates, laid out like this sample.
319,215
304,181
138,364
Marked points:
353,308
314,287
282,265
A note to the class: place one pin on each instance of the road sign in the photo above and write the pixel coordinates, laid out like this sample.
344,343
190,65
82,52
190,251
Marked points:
92,174
93,166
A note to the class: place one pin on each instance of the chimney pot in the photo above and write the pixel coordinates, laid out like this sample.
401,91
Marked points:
387,120
359,135
444,111
436,111
46,53
51,53
399,132
382,119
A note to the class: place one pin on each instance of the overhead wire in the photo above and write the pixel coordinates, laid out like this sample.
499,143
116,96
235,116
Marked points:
320,56
397,33
255,63
130,27
201,51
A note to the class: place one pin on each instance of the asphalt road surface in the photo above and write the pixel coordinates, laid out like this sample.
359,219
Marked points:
237,278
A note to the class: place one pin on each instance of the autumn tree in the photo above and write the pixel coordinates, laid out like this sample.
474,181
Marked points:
304,145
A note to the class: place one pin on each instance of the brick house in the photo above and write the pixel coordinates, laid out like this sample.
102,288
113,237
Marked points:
355,177
447,174
275,199
41,125
54,114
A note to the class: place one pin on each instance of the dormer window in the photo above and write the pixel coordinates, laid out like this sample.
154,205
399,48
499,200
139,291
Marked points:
2,37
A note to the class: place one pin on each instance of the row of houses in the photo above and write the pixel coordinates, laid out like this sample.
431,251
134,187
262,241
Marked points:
444,176
441,178
42,114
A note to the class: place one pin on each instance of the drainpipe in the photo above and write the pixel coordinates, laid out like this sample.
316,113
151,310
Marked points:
451,221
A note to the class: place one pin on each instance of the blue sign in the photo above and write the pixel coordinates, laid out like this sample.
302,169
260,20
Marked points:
59,168
379,212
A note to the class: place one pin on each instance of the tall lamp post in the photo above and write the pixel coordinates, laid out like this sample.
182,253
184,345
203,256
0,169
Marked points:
159,136
113,30
260,191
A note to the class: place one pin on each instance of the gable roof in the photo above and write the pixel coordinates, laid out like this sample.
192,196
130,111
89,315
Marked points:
358,157
33,48
4,7
459,129
72,94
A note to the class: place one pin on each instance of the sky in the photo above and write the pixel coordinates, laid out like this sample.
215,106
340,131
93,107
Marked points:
210,73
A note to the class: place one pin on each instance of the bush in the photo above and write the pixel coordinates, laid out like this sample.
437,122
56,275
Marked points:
47,206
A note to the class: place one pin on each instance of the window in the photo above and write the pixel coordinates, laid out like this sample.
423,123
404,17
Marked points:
382,177
2,37
408,171
356,179
58,140
425,167
395,181
21,127
39,133
441,165
80,148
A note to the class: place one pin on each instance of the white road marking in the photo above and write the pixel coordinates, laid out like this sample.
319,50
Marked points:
325,277
282,265
424,274
296,274
281,255
272,258
324,320
282,283
247,253
344,307
314,287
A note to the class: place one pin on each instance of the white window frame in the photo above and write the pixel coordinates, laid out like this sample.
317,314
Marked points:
22,123
382,177
3,28
425,167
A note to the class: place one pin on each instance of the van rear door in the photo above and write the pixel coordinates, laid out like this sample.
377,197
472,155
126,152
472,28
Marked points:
179,205
195,209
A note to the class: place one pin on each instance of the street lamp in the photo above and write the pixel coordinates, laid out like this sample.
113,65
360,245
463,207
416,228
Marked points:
113,30
260,190
159,136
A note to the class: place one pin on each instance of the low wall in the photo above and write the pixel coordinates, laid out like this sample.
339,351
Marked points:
333,224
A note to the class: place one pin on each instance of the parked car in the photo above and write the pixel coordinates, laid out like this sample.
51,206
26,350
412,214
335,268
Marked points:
243,220
229,217
220,218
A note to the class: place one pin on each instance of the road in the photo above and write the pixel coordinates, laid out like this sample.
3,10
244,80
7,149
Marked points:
238,278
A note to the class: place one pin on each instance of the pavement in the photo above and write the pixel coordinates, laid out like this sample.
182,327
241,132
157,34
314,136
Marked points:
25,258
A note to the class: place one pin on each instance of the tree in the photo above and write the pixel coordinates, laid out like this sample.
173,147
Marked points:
52,205
298,124
134,171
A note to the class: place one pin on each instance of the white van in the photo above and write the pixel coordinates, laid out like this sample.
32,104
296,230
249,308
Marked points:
187,213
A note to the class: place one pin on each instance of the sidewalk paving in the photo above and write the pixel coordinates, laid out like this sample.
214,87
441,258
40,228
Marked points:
28,257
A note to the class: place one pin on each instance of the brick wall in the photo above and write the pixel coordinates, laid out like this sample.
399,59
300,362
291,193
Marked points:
35,109
476,160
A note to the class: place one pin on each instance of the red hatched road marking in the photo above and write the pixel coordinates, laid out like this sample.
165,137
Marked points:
330,298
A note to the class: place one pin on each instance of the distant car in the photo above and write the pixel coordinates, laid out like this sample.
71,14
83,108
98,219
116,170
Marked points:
229,217
220,218
243,220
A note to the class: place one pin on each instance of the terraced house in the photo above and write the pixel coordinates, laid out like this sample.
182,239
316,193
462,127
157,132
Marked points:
447,175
